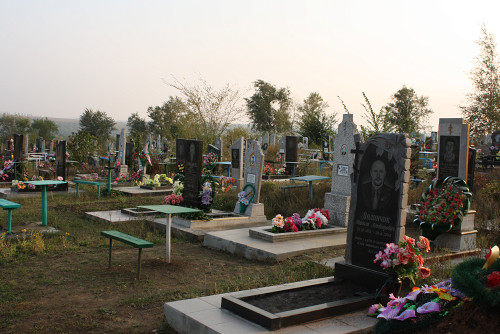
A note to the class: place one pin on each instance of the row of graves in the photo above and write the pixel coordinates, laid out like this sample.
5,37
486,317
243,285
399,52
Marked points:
368,198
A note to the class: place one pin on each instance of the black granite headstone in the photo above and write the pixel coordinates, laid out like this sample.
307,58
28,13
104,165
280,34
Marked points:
129,148
18,147
192,172
375,220
291,152
61,163
472,167
9,145
235,158
180,150
449,155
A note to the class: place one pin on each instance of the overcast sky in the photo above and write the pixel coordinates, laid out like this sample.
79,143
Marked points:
59,57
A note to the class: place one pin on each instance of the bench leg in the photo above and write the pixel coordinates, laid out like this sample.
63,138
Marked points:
139,265
9,221
110,252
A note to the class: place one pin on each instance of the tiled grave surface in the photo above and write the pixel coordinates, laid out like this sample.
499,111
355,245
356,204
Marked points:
137,191
240,243
204,315
113,216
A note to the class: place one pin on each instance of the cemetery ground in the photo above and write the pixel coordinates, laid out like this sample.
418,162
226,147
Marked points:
61,282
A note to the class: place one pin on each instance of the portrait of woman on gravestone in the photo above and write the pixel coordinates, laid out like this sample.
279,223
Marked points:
449,149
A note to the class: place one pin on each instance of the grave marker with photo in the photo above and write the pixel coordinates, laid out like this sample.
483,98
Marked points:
291,152
237,162
338,200
453,148
377,212
189,152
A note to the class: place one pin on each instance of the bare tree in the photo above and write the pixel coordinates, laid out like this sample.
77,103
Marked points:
213,109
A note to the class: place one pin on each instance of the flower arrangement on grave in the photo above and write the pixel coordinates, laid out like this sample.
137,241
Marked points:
245,197
209,161
173,199
442,206
178,188
144,158
179,175
225,184
480,279
270,170
206,194
405,259
313,220
421,307
18,184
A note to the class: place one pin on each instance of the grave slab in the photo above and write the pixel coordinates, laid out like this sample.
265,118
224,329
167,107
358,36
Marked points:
204,315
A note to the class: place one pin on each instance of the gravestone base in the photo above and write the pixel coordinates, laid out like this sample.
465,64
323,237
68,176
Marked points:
338,206
253,210
460,240
124,170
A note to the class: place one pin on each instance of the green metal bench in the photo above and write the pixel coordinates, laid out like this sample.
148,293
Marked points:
129,240
9,206
93,183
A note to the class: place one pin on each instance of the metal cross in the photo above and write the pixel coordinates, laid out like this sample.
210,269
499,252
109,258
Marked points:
356,157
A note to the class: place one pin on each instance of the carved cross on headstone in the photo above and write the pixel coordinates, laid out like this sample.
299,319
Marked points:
356,158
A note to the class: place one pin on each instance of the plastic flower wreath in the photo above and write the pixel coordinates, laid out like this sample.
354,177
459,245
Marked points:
314,219
209,162
442,206
405,259
173,199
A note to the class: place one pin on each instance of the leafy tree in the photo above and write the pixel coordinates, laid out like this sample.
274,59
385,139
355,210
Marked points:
138,128
170,119
377,122
97,124
314,122
407,112
483,110
45,128
81,145
268,108
10,124
212,110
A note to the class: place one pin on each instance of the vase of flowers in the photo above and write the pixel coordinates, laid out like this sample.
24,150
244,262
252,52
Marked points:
405,260
442,206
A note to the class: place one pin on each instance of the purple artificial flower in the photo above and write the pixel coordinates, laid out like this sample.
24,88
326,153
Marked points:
405,315
391,312
429,307
413,295
297,220
374,308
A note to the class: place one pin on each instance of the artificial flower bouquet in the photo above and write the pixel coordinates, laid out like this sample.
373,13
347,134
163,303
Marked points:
420,308
313,220
209,161
405,259
173,199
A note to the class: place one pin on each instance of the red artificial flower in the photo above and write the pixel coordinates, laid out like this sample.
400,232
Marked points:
423,272
493,279
409,240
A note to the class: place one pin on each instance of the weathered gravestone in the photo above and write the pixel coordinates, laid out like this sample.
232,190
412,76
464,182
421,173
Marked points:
18,154
237,162
254,163
281,146
121,152
129,151
117,143
291,153
61,164
305,142
453,148
25,145
339,199
326,147
218,144
51,147
39,145
272,139
472,167
377,212
189,153
43,146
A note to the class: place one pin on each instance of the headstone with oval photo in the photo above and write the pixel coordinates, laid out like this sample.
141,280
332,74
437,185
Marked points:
453,157
236,150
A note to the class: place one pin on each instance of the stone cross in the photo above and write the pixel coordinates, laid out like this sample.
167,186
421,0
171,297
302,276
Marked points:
218,144
453,148
338,200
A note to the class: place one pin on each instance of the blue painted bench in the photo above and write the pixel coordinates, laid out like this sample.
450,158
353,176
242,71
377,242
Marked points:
93,183
292,186
129,240
9,206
